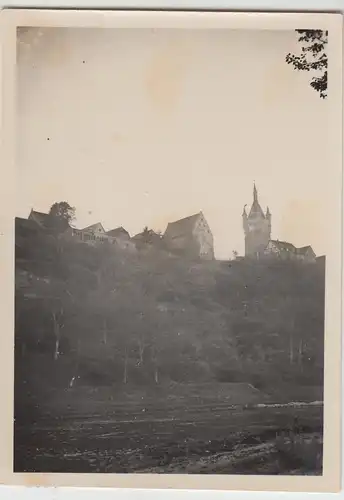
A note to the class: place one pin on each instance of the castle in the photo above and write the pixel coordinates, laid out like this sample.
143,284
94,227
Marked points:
190,237
258,242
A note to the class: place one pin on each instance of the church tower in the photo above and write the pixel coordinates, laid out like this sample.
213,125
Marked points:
257,228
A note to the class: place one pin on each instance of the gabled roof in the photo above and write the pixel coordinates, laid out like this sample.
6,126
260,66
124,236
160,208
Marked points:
93,227
40,217
283,245
118,231
144,234
304,250
25,224
182,226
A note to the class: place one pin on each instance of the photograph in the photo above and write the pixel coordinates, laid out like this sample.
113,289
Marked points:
176,204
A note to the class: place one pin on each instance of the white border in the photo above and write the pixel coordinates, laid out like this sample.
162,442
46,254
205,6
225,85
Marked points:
9,20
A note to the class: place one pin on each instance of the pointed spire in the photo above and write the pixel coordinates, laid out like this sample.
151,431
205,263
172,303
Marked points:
256,209
255,194
244,214
268,211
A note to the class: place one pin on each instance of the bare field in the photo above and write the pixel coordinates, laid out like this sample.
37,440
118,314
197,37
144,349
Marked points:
172,436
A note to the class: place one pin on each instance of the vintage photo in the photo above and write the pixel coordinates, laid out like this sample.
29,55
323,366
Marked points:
174,222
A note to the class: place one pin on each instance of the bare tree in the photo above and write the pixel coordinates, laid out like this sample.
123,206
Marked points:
58,325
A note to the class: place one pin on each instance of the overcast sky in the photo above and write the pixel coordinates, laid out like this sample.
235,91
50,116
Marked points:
143,127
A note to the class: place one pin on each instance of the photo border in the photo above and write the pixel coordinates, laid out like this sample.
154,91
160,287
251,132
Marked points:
10,19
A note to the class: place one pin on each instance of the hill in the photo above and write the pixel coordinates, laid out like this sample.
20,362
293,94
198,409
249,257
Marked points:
99,316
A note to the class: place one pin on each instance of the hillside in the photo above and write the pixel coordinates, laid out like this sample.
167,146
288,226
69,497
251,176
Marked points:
103,334
110,317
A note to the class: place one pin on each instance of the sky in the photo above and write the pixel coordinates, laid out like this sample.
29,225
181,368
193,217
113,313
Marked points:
141,127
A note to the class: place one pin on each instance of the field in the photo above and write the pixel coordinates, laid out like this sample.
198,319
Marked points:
147,432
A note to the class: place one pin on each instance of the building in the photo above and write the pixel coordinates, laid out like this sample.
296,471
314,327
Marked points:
285,251
24,229
92,235
191,237
119,232
42,221
39,218
258,242
96,234
148,239
306,254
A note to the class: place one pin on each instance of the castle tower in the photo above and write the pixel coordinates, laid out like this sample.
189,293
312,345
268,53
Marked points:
257,228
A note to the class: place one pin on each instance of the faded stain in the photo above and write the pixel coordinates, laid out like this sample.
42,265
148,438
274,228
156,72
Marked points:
117,137
165,74
49,45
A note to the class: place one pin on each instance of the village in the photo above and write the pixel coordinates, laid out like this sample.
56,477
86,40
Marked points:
190,237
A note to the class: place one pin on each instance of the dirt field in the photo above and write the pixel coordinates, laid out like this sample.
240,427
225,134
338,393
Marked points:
216,438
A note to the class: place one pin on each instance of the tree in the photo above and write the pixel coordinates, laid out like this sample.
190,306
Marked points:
313,58
61,214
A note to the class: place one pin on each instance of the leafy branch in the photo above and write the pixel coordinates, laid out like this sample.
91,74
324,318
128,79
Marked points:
313,58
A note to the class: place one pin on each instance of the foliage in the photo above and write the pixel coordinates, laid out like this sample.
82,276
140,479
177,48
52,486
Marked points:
108,317
61,214
313,58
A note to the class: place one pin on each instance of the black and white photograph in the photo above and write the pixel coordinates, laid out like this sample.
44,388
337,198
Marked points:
175,213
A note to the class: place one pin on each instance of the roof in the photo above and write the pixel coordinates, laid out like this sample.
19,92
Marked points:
40,217
256,209
93,227
146,234
182,226
25,224
304,250
118,231
284,245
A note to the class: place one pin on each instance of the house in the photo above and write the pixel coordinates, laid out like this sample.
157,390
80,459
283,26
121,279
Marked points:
321,260
24,229
148,238
119,232
42,220
92,234
191,237
121,238
281,249
39,218
96,234
287,251
25,226
306,254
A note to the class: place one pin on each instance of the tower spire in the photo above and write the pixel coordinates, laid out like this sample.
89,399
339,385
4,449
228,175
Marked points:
255,194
